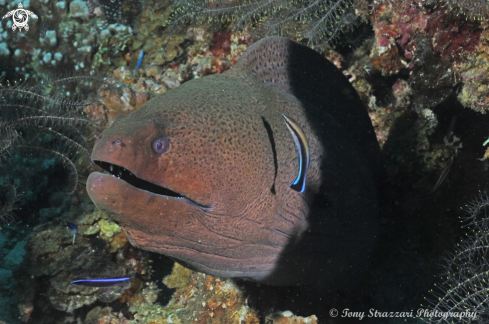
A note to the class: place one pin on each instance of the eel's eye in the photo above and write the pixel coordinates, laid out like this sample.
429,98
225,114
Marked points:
160,145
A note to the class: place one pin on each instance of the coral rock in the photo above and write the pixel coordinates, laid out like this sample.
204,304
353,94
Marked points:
288,318
78,8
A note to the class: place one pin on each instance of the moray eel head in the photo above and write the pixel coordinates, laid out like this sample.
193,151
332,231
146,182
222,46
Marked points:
176,173
144,164
264,172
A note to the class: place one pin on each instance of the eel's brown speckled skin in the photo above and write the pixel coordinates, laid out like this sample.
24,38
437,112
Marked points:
248,222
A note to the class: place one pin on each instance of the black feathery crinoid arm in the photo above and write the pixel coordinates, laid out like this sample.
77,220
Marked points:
318,21
465,278
469,9
43,127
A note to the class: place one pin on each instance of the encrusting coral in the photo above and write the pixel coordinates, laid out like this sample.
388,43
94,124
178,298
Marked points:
198,298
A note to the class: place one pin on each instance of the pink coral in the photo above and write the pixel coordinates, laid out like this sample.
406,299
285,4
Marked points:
448,37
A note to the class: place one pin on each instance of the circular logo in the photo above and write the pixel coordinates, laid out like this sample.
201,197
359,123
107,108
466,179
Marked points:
20,18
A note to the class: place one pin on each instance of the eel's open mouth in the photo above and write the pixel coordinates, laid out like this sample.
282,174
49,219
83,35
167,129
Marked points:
129,177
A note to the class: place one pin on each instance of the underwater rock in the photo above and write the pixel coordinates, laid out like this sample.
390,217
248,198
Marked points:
91,263
434,45
198,299
95,44
221,43
473,72
179,277
79,8
51,252
87,41
108,228
5,277
406,20
97,314
4,50
211,299
71,300
288,318
122,99
67,297
27,287
432,80
48,213
437,49
450,37
43,249
51,40
88,223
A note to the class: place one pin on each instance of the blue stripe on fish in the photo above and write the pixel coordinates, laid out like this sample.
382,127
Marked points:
100,282
140,60
303,151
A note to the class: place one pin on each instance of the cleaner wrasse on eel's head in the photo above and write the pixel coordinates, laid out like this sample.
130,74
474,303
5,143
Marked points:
265,172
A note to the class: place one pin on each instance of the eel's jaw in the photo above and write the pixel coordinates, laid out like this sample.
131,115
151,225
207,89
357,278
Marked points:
130,178
176,229
157,217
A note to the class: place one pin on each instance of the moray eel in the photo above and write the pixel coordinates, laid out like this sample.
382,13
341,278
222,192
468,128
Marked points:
265,172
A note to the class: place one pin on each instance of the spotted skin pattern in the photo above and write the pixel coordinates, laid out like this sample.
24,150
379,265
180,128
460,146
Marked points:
231,160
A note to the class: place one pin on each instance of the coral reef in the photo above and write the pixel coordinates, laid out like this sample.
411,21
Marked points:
199,298
93,39
51,254
471,9
52,262
119,99
314,21
474,74
421,53
438,51
76,39
422,59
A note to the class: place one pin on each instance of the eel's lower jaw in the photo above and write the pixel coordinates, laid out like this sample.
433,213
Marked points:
130,178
